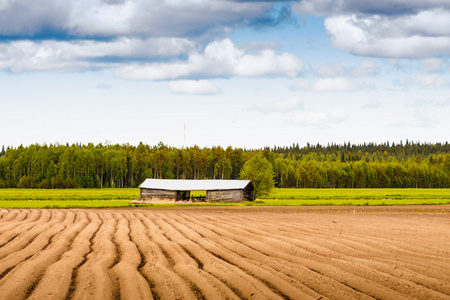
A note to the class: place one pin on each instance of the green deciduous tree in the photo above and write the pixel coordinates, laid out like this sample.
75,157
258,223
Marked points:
259,170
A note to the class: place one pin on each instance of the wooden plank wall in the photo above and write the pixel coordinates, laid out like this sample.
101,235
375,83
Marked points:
161,194
225,196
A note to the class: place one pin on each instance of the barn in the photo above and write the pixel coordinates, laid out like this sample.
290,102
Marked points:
179,190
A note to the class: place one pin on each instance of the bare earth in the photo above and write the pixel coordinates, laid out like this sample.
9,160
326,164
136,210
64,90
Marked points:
227,252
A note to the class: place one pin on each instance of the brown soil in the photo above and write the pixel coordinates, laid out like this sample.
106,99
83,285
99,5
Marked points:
390,252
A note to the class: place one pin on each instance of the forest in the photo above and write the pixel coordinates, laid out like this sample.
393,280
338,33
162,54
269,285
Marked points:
386,165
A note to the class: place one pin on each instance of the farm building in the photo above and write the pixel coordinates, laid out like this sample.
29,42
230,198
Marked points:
216,190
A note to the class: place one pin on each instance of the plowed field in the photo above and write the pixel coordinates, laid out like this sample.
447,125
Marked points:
226,253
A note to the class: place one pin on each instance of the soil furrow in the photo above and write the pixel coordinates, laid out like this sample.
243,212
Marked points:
202,283
94,218
330,287
60,273
229,274
132,284
10,234
346,263
93,280
32,216
225,250
163,281
18,282
275,282
14,257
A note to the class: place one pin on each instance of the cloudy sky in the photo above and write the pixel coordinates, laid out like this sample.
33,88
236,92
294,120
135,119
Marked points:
224,72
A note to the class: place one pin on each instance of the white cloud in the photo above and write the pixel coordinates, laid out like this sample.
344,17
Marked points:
326,85
381,7
193,87
280,106
431,81
318,118
24,55
331,70
372,104
255,47
365,68
385,28
379,36
336,70
219,59
149,18
432,64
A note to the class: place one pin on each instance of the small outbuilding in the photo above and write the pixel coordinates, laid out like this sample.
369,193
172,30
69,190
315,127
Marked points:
180,189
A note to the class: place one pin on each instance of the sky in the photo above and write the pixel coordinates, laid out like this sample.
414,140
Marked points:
237,73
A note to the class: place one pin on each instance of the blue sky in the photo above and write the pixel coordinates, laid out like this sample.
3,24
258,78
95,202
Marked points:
233,73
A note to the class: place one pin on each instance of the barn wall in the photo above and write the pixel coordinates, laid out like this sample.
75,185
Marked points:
147,194
225,196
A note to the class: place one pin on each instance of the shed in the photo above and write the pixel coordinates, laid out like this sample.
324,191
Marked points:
179,189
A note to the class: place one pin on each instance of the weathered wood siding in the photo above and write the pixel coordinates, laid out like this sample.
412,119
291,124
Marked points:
225,196
147,194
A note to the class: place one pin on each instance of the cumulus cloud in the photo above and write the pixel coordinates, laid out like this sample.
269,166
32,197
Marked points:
24,55
254,47
431,81
392,29
326,85
193,87
112,18
380,7
432,64
373,36
365,68
319,118
336,70
219,59
331,70
280,106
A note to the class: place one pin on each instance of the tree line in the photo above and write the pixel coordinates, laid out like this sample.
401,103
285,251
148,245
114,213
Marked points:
403,165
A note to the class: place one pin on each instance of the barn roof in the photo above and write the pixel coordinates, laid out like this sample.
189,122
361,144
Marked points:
194,185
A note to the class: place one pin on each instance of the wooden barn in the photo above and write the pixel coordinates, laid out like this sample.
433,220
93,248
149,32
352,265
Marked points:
216,190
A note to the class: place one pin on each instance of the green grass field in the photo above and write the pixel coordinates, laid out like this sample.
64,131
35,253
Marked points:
100,198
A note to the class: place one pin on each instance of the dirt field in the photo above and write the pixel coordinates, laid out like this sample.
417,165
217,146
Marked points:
229,252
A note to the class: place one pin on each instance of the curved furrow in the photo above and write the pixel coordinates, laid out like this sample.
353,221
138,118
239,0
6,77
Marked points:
235,278
32,216
243,256
94,280
201,282
406,283
310,279
17,284
132,284
279,283
11,233
9,216
338,244
29,244
427,276
59,274
163,281
383,246
373,278
343,284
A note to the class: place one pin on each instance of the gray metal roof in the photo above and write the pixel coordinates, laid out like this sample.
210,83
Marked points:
193,185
